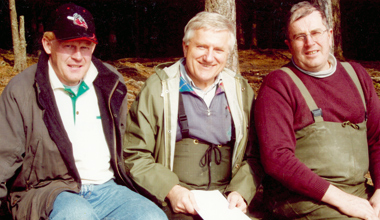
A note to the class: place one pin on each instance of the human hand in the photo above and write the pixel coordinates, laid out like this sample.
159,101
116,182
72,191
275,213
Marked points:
349,204
375,202
236,200
182,200
360,208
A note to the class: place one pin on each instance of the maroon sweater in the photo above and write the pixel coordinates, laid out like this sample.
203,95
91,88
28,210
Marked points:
280,110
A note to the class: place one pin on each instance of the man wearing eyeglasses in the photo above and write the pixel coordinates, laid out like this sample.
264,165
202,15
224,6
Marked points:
61,124
317,120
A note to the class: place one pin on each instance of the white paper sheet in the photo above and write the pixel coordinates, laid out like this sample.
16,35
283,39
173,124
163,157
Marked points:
214,206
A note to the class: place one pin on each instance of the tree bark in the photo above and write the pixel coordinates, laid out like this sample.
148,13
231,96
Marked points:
22,44
338,49
332,11
228,9
18,37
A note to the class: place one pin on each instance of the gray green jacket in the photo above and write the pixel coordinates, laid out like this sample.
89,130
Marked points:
36,158
150,138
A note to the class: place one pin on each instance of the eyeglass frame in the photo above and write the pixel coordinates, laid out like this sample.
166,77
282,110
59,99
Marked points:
304,36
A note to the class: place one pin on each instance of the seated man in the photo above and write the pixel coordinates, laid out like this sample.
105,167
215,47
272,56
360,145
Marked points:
189,126
61,122
317,120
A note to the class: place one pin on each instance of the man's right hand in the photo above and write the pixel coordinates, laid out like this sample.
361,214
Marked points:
349,204
182,200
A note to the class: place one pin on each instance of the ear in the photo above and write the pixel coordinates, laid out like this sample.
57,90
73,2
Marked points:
93,48
331,37
47,45
185,48
287,43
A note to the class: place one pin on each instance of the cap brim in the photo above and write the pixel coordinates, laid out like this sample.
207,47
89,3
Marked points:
94,40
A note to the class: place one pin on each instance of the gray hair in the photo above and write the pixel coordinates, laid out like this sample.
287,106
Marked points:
210,21
303,9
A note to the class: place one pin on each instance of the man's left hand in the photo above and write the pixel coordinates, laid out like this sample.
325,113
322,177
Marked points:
375,202
236,200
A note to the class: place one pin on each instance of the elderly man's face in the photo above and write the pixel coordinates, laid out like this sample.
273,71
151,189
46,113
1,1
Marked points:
310,54
206,56
69,59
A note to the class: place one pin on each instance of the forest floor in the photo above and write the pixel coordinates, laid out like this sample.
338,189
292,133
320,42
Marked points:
254,66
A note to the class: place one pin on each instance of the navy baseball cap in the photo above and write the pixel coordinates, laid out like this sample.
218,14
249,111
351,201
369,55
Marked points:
73,22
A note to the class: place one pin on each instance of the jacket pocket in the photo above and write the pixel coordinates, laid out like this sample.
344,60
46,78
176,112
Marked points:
43,162
28,166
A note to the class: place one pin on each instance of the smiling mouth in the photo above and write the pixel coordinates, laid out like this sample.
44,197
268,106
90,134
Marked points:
207,65
311,52
75,66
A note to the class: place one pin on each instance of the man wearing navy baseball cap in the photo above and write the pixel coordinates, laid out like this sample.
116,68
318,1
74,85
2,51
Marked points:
62,123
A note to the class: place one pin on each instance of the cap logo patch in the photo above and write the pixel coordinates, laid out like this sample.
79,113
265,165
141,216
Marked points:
78,20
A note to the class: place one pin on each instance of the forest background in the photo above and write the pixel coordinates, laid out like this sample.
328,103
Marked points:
154,28
136,35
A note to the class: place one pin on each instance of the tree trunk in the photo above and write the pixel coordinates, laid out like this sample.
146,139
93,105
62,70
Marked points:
22,44
332,11
228,9
338,49
18,37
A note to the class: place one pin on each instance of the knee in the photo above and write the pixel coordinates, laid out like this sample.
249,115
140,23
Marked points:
70,206
73,212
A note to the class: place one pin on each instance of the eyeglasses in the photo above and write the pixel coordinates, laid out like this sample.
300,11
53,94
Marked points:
315,35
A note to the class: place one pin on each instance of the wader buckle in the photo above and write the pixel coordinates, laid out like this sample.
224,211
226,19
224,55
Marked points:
354,126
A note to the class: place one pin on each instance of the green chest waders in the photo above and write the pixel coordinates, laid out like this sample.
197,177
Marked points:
199,164
337,152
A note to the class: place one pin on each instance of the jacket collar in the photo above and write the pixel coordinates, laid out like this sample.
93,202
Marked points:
106,79
168,70
107,84
46,101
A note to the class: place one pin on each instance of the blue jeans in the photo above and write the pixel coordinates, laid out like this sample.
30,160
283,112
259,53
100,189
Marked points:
108,201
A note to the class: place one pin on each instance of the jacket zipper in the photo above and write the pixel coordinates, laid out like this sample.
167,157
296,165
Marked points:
114,132
240,101
167,138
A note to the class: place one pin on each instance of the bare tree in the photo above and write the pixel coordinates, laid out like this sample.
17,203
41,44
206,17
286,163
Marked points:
228,9
332,11
338,50
18,37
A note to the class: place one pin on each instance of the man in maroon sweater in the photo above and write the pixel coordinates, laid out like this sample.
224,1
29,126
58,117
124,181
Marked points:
318,128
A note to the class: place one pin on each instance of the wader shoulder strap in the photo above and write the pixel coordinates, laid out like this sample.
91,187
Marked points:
355,78
182,118
317,112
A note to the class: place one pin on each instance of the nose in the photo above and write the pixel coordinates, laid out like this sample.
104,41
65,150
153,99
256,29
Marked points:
208,57
309,40
77,54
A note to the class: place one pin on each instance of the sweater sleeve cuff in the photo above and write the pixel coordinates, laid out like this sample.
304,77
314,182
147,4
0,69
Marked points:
319,189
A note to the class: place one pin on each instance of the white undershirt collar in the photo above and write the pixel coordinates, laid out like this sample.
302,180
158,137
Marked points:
321,74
